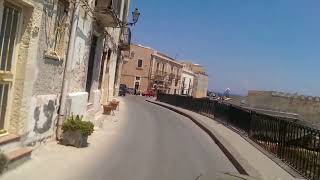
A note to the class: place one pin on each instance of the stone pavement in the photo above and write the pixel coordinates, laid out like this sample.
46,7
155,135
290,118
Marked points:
63,161
141,142
255,163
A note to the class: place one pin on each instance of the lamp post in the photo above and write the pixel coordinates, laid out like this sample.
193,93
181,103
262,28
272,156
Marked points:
135,18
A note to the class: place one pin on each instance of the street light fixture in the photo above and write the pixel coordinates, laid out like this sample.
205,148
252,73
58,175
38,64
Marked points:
135,16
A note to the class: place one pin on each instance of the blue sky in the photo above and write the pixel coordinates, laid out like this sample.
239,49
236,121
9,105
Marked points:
243,44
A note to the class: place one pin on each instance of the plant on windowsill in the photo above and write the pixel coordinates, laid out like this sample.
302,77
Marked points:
76,131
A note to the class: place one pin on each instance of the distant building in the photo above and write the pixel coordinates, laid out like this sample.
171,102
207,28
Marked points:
165,73
307,107
196,68
187,78
136,68
145,68
200,85
200,79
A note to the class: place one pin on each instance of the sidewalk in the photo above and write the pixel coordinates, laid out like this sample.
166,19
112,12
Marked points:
53,161
254,162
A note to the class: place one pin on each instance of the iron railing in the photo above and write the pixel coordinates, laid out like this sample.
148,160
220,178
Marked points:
296,144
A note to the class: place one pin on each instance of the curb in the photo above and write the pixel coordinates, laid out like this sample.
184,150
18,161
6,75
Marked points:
231,158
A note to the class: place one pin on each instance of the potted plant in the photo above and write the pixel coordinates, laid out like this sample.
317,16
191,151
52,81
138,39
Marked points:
76,131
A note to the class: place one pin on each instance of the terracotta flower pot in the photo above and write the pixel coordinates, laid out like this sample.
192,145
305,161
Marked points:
114,104
107,109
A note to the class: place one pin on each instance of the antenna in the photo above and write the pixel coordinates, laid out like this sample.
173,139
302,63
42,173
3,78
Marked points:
175,57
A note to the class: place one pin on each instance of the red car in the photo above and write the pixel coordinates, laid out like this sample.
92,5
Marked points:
149,93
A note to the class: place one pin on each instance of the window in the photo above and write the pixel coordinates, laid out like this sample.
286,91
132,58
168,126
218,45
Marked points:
158,64
8,32
174,71
132,54
7,37
56,34
163,67
137,78
140,63
59,24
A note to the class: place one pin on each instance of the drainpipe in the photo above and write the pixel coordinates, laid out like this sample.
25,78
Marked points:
67,69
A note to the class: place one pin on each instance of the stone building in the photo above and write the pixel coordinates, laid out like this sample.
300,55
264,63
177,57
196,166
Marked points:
145,68
165,74
200,85
305,108
57,57
136,68
187,78
196,68
200,79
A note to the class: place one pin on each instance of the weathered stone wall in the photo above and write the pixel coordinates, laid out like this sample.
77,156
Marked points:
48,71
307,107
108,82
42,76
18,102
37,86
42,121
35,93
81,52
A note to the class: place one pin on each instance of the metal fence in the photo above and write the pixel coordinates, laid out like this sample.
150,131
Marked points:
295,144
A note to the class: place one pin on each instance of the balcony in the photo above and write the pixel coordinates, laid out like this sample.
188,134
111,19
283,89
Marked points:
125,39
107,12
171,76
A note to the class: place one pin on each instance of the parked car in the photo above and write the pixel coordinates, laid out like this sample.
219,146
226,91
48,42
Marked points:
149,93
122,90
130,91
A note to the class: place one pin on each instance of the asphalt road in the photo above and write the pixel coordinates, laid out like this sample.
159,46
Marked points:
142,142
158,144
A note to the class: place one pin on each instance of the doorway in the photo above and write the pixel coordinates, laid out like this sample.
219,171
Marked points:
136,85
91,64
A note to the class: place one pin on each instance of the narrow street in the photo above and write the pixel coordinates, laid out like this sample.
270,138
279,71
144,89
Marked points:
147,142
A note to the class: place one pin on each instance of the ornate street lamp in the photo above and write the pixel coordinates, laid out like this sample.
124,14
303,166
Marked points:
135,17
